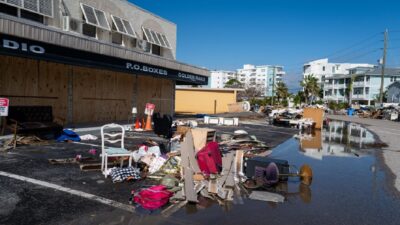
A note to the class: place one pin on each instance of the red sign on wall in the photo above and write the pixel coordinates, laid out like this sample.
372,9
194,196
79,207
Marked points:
4,104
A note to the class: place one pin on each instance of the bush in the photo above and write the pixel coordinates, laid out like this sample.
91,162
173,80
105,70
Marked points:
285,103
338,106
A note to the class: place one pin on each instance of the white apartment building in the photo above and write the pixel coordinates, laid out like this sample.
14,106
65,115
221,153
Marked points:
261,77
322,68
219,78
365,88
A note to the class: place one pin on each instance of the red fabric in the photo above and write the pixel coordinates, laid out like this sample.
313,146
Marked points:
209,159
153,198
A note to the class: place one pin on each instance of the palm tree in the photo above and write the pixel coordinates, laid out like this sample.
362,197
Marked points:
282,91
310,86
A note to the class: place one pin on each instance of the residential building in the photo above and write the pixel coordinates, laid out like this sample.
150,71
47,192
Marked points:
393,92
261,77
219,78
322,68
91,60
366,83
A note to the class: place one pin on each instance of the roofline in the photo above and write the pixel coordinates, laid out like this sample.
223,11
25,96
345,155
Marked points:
147,11
209,89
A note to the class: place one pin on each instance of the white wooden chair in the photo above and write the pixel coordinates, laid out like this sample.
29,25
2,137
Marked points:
107,151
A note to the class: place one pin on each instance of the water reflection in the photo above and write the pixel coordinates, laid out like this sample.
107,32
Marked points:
336,139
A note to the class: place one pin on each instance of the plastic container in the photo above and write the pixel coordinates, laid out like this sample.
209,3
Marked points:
350,111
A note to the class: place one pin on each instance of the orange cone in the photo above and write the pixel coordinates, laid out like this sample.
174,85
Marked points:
137,124
148,123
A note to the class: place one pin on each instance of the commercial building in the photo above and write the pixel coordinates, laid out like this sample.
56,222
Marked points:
91,60
204,100
366,83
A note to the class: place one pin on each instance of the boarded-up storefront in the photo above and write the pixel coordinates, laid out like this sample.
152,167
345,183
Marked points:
83,94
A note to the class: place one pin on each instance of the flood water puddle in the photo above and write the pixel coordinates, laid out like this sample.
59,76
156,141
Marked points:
350,185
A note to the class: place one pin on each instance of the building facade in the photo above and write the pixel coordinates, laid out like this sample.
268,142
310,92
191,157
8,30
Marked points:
322,68
263,78
393,92
91,60
207,100
219,78
365,84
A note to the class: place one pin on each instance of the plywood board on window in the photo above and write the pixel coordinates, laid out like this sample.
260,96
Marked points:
28,82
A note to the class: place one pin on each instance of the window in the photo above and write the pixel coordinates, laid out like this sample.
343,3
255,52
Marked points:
156,50
32,16
95,17
116,38
156,38
89,30
41,7
367,90
13,11
123,26
323,68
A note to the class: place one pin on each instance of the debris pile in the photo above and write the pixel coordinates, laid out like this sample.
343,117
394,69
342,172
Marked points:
200,165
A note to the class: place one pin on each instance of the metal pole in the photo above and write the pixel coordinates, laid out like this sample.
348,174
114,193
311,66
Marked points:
273,85
383,66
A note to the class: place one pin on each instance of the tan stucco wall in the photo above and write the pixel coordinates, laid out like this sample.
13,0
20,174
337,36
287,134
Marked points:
202,101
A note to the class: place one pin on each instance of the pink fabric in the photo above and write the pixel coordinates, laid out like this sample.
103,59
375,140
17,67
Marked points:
153,198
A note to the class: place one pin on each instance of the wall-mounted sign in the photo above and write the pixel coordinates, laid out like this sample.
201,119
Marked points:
4,104
16,46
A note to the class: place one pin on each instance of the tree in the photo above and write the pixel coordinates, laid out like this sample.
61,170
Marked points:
282,91
378,97
233,83
298,98
310,86
249,93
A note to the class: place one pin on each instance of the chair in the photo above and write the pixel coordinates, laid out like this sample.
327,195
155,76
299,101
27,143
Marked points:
107,151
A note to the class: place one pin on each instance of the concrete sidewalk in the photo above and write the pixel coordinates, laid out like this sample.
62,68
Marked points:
389,133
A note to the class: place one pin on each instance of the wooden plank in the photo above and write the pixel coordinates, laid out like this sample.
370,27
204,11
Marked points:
187,146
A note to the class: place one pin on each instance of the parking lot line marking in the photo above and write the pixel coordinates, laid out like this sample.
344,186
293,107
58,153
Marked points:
87,144
82,194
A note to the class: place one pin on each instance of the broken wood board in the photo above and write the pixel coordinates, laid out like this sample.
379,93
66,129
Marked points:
187,149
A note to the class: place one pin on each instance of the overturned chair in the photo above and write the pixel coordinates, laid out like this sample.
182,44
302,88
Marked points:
108,151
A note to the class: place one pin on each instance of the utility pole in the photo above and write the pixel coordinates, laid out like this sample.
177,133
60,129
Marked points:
383,66
273,85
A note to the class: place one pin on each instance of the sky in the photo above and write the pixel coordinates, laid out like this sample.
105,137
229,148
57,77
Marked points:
225,34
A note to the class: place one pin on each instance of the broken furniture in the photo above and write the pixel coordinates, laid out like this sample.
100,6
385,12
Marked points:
34,120
108,151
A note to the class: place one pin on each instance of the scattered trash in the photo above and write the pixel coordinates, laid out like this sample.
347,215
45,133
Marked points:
88,137
93,151
68,135
153,198
122,174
